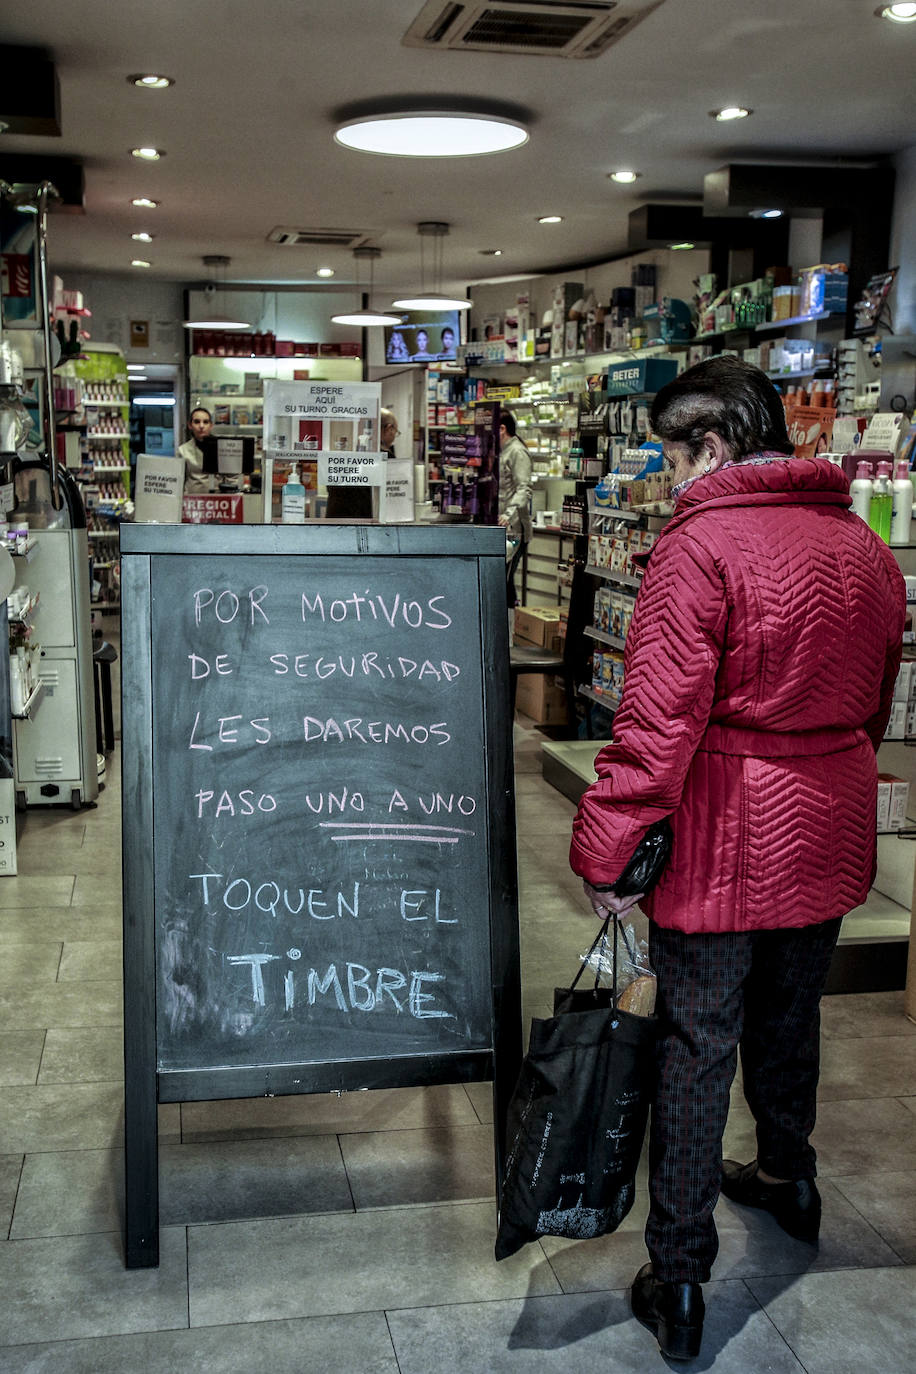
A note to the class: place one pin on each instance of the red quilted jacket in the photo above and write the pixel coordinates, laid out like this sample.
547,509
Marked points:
759,672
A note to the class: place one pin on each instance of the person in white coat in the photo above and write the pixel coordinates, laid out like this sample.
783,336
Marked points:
514,500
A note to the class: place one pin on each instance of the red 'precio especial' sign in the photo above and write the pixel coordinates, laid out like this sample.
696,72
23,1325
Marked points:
211,509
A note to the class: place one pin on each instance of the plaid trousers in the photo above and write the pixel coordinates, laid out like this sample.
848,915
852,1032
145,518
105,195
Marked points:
761,991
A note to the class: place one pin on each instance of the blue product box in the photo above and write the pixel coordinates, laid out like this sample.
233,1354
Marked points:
646,375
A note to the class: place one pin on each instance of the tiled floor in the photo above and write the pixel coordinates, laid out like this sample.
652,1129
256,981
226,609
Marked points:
355,1235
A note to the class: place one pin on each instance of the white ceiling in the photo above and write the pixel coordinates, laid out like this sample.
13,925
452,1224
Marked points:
248,127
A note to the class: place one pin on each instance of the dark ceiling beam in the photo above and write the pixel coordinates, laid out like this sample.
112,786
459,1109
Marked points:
65,174
29,92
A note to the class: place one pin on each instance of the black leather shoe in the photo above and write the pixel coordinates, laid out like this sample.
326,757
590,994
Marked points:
796,1205
673,1312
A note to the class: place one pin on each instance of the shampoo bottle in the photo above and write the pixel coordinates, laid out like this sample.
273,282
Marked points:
882,503
902,503
292,499
860,489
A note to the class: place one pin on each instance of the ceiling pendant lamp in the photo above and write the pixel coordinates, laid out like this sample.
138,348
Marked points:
366,317
434,298
209,317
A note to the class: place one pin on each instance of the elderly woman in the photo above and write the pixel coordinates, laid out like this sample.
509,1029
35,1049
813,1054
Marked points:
759,673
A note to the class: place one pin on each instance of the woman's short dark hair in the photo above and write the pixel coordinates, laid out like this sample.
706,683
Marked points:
508,419
203,411
729,397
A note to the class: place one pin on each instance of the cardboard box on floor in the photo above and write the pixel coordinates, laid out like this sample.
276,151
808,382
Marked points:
538,626
538,696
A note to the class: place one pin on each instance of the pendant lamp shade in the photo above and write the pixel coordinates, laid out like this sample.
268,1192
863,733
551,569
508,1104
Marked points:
210,317
431,296
366,318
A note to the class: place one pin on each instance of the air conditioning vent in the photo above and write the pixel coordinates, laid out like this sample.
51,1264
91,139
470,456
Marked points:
316,238
541,28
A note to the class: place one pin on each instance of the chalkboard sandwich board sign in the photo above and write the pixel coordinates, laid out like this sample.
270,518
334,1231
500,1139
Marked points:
319,871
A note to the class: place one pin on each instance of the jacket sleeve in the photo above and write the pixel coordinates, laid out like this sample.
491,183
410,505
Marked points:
877,724
520,467
672,657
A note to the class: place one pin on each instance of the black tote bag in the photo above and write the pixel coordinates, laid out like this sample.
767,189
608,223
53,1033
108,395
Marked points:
577,1119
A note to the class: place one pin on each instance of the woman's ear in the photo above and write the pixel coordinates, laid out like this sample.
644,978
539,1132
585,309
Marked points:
714,451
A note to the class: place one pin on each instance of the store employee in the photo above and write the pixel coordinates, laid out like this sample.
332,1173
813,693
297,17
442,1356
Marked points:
197,452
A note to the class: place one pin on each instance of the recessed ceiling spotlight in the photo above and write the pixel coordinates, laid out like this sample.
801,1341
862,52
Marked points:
151,82
142,237
730,112
431,133
765,214
624,176
490,252
681,247
550,219
898,14
148,154
136,367
145,203
324,271
140,262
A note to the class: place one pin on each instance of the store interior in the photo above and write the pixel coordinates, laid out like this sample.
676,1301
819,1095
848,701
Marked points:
631,231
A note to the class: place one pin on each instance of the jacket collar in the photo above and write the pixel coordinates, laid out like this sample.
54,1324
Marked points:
782,481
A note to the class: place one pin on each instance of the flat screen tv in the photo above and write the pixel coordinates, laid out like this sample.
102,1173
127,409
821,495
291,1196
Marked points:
424,336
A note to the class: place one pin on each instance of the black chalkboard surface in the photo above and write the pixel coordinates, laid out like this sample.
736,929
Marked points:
318,825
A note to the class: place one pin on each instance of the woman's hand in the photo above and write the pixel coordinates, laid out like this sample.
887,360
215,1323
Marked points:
603,903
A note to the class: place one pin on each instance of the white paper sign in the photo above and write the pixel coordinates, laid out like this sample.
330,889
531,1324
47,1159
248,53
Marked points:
159,488
309,419
229,454
396,503
351,469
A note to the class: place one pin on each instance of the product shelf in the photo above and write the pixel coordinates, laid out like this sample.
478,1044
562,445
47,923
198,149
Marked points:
609,703
614,641
624,579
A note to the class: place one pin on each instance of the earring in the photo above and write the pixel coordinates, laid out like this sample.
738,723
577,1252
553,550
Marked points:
708,468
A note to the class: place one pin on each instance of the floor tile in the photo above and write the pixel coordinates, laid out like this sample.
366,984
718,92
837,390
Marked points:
244,1179
63,1116
26,964
581,1334
263,1270
85,888
60,1004
882,1066
888,1203
438,1164
77,1191
845,1323
867,1013
317,1345
322,1113
28,892
10,1169
86,1054
72,1286
875,1135
481,1098
20,1056
70,1193
91,961
40,856
100,922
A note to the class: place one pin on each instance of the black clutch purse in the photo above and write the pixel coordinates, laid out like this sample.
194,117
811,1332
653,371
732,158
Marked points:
648,861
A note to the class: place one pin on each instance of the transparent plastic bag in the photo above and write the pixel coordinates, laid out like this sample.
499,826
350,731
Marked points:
635,977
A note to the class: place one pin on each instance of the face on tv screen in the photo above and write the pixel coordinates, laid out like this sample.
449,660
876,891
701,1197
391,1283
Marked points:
423,337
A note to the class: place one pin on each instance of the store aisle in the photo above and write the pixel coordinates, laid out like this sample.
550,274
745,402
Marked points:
355,1234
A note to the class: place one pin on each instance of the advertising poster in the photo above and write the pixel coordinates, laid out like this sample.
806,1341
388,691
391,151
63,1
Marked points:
810,430
320,426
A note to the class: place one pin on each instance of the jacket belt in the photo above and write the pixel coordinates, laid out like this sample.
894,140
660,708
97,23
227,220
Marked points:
775,744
